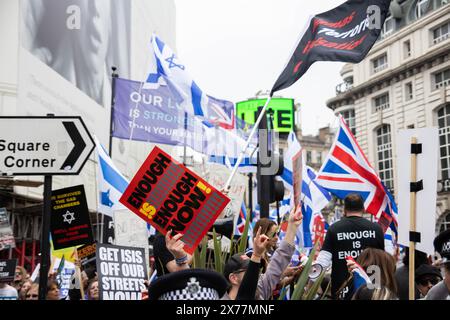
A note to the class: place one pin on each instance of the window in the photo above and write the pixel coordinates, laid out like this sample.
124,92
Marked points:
384,156
441,33
381,102
407,49
308,156
443,117
319,157
388,27
442,79
349,117
443,222
380,63
409,91
421,8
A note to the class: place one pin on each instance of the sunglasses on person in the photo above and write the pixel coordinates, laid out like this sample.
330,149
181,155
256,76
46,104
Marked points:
424,282
32,295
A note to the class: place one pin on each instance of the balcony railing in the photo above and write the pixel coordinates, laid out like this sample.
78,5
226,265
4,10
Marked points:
441,38
343,87
382,107
442,84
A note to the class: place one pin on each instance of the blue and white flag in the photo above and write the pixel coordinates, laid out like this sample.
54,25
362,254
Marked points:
196,102
314,197
111,183
224,147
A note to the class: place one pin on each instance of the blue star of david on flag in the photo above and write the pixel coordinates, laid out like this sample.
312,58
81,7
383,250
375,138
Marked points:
172,64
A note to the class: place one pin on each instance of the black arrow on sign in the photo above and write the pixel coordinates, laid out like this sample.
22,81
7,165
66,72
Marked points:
78,142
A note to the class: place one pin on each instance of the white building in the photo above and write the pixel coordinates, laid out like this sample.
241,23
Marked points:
404,82
36,79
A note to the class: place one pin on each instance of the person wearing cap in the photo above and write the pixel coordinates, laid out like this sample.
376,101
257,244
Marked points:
441,291
188,284
236,266
242,272
402,273
426,277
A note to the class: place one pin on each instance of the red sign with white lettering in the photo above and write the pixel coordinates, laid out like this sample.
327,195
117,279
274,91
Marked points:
169,196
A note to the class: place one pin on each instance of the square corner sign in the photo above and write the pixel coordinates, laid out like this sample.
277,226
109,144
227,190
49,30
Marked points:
169,196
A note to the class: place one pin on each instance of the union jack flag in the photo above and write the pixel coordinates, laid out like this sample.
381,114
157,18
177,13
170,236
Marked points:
240,224
346,170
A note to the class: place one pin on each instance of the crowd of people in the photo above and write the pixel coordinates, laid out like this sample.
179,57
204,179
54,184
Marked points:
270,269
24,288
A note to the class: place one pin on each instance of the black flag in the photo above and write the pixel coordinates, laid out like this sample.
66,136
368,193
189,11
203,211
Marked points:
345,33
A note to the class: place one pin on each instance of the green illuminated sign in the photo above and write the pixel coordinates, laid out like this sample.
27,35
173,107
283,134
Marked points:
283,109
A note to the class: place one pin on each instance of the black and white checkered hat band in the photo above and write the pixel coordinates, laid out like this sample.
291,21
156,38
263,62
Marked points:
202,294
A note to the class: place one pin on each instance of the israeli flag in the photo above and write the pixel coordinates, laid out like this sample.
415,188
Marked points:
314,197
224,146
111,183
195,101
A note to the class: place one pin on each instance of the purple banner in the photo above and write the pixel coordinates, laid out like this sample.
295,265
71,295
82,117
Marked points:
152,115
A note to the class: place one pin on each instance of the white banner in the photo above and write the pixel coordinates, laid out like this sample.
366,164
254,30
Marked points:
131,231
217,176
427,168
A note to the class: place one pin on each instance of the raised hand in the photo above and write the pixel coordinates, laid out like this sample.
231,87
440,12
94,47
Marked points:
259,245
175,245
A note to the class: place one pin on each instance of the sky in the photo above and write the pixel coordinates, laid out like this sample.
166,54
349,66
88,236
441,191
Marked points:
235,48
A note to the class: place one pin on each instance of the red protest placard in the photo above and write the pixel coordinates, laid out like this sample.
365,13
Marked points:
169,196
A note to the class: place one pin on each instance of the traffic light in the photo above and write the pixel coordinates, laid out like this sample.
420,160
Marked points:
269,166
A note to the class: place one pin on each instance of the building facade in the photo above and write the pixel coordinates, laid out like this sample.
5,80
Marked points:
404,82
316,148
33,48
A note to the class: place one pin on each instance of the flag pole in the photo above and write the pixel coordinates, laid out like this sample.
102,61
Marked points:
250,137
185,137
114,76
412,228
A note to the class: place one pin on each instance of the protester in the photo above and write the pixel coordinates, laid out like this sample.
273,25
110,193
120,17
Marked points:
240,266
92,290
380,293
33,292
377,261
402,273
348,237
278,263
21,275
324,291
8,292
270,229
25,287
169,254
426,277
52,290
441,291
